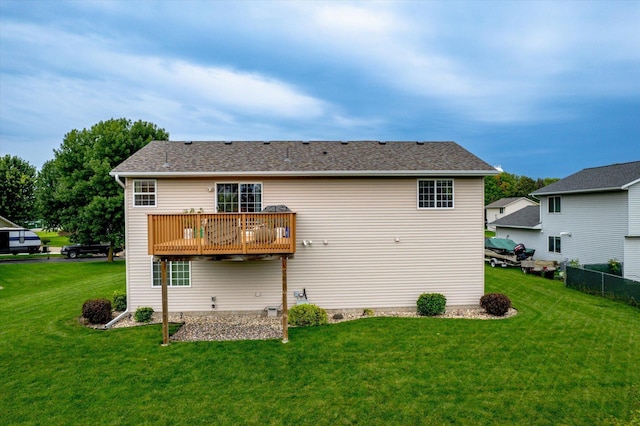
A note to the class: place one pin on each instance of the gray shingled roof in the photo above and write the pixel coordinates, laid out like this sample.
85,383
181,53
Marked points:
527,217
605,178
166,158
503,202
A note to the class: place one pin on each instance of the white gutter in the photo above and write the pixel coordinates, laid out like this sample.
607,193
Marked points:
116,319
580,191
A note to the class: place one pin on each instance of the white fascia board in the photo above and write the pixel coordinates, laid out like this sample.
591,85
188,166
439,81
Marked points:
581,191
630,184
357,173
538,226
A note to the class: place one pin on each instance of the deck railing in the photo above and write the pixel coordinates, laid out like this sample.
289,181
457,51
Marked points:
195,234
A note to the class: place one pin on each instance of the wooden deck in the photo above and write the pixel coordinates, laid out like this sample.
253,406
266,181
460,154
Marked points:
212,234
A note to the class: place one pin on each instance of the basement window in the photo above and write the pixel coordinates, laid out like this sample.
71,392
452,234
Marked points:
178,274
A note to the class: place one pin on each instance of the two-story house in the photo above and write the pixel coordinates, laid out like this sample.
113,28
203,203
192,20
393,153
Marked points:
504,207
363,224
592,216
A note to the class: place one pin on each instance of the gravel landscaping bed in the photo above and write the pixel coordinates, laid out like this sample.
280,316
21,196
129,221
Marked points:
260,327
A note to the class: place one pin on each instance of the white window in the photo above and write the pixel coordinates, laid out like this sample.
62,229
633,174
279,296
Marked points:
144,193
178,274
554,245
554,204
435,193
239,197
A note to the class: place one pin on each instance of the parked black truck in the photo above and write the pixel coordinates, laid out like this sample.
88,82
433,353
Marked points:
73,251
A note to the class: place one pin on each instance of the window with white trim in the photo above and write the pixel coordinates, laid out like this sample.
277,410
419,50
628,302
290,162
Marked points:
178,274
554,245
144,193
554,205
435,193
239,197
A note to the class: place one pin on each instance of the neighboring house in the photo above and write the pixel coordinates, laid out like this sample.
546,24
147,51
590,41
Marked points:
366,224
592,216
504,207
6,223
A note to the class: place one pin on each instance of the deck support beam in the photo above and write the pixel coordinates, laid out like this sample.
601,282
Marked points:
285,310
165,304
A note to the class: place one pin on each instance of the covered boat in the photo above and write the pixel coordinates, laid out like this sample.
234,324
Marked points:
505,252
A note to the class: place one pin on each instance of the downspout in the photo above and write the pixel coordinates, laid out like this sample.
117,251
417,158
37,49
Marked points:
126,311
121,183
116,319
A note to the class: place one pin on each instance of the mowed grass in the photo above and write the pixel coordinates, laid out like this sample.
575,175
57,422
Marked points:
55,240
566,358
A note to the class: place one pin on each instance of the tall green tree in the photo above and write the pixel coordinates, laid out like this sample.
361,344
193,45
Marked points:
17,189
88,202
505,185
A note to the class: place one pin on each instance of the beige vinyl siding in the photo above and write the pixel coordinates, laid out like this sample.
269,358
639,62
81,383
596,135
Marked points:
354,260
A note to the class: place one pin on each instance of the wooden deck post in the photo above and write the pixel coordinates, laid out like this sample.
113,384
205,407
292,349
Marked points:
285,310
165,304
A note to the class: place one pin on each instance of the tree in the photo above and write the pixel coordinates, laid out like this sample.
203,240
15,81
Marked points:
88,202
17,189
505,185
48,206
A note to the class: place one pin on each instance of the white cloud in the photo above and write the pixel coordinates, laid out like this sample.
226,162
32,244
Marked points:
486,61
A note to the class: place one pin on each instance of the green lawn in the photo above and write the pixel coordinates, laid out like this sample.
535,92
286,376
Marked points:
55,240
566,358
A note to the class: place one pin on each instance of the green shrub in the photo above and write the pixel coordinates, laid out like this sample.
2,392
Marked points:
97,311
615,267
495,303
430,304
307,315
143,314
119,300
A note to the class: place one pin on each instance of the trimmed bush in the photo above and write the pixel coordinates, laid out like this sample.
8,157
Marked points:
97,311
119,301
143,314
307,315
430,304
496,304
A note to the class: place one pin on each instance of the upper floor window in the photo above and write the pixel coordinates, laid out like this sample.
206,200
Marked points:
435,193
554,244
239,197
501,210
144,193
178,274
554,204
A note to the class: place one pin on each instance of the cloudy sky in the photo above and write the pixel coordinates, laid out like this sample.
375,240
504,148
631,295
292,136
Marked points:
543,89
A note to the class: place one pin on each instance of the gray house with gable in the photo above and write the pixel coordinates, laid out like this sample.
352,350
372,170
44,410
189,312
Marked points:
592,216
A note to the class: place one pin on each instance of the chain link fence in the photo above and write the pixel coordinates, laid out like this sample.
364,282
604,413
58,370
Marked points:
603,284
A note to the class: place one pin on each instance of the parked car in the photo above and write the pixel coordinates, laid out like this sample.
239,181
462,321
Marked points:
73,251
